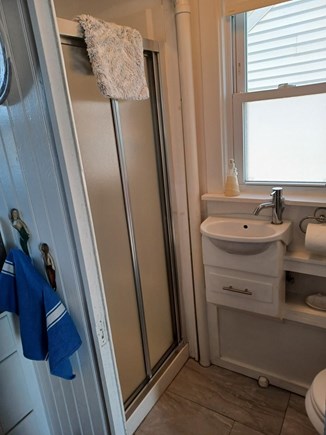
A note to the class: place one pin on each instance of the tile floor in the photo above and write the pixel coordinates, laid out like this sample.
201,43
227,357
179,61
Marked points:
216,401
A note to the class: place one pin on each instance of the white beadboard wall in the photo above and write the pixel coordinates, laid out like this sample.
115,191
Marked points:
30,181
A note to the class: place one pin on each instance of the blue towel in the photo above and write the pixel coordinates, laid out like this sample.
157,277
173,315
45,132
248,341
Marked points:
47,330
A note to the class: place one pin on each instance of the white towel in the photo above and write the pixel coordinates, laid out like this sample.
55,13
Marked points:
116,55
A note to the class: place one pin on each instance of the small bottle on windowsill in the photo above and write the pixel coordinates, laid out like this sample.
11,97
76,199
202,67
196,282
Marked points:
232,184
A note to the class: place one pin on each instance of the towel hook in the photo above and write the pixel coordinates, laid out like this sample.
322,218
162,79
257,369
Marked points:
48,264
321,219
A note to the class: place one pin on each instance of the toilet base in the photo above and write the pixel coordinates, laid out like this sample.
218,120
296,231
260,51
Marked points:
315,420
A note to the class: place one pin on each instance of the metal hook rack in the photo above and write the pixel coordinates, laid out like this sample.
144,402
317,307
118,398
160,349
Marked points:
321,219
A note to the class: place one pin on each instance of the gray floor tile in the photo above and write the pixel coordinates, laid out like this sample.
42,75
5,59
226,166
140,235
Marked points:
233,395
296,421
173,415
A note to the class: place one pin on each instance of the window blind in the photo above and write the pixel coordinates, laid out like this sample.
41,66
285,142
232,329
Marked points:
232,7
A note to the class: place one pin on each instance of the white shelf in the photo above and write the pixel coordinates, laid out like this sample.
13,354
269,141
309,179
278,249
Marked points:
296,309
304,262
309,199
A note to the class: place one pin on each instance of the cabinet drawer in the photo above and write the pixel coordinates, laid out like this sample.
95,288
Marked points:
240,291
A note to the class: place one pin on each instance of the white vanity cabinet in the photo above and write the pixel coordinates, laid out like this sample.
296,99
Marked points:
280,338
260,328
254,283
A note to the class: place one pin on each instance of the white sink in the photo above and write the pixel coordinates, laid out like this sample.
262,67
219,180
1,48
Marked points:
245,235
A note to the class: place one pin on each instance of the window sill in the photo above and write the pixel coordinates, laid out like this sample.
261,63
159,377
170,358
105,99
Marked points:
308,199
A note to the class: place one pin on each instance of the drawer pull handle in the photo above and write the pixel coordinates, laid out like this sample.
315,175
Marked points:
237,290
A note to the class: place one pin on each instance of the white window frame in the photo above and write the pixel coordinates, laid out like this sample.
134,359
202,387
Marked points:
241,96
238,101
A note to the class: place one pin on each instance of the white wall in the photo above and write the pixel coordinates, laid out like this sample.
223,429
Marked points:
147,16
207,55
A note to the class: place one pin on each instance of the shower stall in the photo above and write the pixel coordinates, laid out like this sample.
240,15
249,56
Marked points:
123,156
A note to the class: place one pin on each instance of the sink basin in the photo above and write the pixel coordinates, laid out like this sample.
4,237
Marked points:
245,235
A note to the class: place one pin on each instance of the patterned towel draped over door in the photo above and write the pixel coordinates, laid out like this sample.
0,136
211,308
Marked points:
117,59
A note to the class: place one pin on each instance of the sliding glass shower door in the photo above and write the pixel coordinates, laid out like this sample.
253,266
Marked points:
123,157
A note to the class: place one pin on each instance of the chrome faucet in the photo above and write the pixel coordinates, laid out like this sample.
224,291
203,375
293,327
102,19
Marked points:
277,205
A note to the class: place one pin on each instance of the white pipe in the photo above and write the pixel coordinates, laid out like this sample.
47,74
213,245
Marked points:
183,25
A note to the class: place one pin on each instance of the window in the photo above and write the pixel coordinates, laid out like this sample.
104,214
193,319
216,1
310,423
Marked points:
279,99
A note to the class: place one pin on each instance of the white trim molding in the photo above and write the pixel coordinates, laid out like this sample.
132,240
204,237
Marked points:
232,7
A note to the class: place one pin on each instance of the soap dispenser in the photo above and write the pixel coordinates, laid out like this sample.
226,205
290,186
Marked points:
232,184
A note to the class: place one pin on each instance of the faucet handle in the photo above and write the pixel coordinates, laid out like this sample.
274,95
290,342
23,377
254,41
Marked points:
277,191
